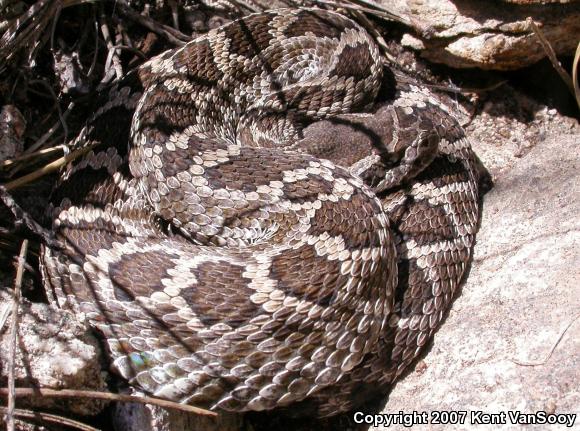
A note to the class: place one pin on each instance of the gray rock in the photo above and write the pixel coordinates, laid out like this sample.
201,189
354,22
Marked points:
54,351
12,127
487,34
143,417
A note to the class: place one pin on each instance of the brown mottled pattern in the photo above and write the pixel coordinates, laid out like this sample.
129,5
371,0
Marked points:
250,37
96,188
307,190
336,219
200,68
317,24
244,240
304,275
239,171
354,61
427,223
133,272
221,295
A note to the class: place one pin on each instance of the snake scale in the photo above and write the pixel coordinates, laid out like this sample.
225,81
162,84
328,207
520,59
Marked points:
254,228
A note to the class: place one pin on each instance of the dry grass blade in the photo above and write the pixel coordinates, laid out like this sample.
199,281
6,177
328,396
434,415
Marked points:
72,393
56,104
44,138
11,363
49,418
47,169
34,155
551,55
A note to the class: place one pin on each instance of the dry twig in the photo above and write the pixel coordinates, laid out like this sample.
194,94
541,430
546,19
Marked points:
36,154
575,75
56,103
113,55
132,50
109,396
172,35
4,308
24,30
96,51
11,363
174,13
551,55
47,169
549,355
49,418
42,140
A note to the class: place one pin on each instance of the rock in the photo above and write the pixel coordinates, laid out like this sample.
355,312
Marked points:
12,127
70,72
488,35
143,417
54,351
494,352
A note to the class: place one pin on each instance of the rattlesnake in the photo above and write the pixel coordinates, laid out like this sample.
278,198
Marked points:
244,240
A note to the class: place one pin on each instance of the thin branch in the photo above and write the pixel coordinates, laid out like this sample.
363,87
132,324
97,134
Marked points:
56,101
23,30
109,396
575,75
454,89
123,32
49,418
174,13
549,355
132,50
40,142
5,3
172,35
96,52
551,55
11,365
55,19
113,53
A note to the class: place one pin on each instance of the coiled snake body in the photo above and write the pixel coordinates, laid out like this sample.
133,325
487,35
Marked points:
243,239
